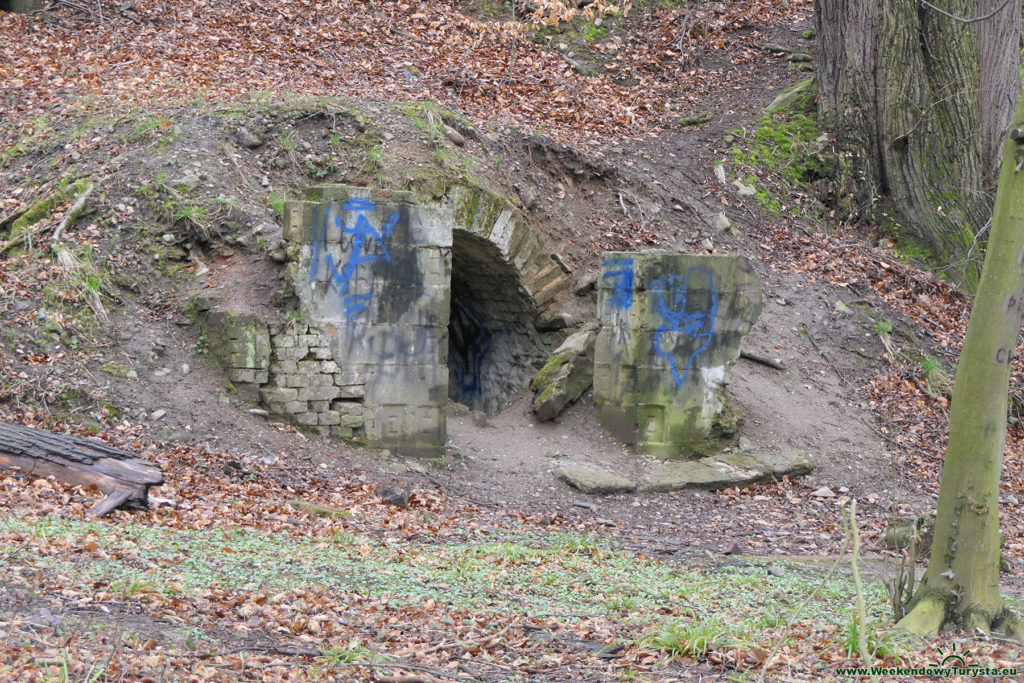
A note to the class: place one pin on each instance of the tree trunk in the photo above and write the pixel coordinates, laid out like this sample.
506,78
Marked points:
916,124
123,476
962,582
999,77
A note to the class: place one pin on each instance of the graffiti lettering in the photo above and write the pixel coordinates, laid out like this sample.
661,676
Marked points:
681,329
622,277
362,232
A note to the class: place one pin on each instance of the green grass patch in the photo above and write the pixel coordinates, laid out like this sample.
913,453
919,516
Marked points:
491,573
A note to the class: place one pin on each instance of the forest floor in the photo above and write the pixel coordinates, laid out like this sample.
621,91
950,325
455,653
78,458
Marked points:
642,129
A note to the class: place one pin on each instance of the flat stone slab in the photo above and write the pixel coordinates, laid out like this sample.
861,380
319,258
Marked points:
590,479
725,471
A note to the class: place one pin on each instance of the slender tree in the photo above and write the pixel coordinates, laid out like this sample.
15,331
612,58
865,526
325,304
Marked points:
917,95
961,585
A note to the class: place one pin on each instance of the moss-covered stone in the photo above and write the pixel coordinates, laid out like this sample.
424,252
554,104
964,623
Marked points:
566,375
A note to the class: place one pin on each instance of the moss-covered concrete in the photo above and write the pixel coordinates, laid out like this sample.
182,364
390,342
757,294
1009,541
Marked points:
671,329
427,298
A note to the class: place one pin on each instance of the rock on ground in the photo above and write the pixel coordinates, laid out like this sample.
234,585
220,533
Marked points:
589,479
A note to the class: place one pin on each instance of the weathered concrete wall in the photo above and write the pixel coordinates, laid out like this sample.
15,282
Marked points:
415,303
671,326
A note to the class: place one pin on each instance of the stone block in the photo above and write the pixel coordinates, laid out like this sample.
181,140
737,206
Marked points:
543,277
278,395
241,375
503,232
671,329
351,421
341,432
350,390
309,367
292,354
330,418
552,290
329,366
319,406
284,341
321,380
322,354
298,216
566,375
526,252
296,407
307,419
286,366
348,407
308,393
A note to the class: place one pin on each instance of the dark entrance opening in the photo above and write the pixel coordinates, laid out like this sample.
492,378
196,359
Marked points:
494,348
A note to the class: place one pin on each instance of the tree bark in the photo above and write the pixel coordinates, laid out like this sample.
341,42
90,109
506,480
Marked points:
1000,74
123,476
917,102
961,584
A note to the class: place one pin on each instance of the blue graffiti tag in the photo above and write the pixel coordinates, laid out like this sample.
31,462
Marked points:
361,231
622,289
469,347
671,305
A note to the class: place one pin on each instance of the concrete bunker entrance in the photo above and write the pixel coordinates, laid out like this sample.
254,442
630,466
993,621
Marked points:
406,306
494,348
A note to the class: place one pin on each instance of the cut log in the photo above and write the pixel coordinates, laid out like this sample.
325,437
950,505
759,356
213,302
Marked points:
123,476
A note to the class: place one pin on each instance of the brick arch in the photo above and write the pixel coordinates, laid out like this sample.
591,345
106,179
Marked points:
493,218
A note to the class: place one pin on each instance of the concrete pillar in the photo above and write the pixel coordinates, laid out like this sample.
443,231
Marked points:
671,326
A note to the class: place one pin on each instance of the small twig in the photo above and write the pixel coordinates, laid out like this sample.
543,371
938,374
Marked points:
763,360
896,443
75,5
822,353
623,205
72,214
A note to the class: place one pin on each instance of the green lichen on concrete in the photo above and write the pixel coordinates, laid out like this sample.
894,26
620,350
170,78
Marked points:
238,342
649,398
466,206
694,437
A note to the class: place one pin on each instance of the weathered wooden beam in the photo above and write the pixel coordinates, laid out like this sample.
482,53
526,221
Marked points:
123,476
